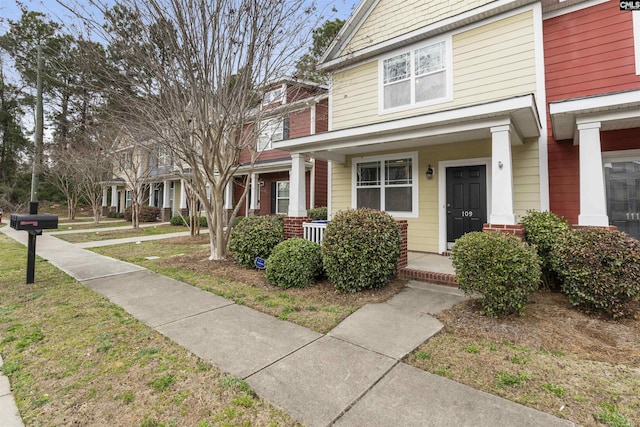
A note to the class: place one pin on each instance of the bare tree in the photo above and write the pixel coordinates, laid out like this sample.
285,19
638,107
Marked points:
62,175
192,72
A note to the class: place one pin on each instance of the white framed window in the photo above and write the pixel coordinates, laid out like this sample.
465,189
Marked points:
127,199
418,76
282,197
388,183
636,38
270,130
274,95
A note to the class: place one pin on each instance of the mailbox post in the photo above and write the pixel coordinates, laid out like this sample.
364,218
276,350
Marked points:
33,224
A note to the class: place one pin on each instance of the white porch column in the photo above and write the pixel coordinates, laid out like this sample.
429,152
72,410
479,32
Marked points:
104,197
297,191
183,195
152,195
255,193
501,176
228,195
165,195
114,196
593,205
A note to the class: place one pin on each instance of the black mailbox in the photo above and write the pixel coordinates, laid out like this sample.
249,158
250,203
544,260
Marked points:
34,222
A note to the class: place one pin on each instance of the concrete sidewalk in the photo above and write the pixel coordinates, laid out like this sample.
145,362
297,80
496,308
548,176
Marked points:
9,415
351,376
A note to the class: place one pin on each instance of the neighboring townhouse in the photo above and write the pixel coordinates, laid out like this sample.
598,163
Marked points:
435,114
151,168
592,64
291,108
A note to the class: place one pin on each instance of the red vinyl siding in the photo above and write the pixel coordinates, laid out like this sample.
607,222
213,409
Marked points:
587,52
321,183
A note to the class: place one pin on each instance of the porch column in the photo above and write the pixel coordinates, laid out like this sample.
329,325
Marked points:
114,198
254,209
104,197
297,191
593,205
152,195
228,195
502,176
166,203
183,195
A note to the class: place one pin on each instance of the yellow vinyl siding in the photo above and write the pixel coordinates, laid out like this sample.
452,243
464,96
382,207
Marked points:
424,230
491,62
392,18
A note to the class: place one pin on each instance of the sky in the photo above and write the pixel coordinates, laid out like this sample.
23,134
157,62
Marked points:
9,9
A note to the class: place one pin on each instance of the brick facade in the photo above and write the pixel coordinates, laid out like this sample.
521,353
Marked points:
403,261
515,230
293,226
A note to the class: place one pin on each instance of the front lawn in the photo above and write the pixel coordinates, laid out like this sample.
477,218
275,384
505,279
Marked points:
74,358
119,234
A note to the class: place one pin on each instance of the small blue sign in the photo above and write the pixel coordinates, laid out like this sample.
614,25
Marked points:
261,263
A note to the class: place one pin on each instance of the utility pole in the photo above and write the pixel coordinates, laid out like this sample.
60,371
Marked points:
37,154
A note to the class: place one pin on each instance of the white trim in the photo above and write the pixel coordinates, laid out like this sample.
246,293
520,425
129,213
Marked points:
329,187
312,185
415,180
541,92
312,120
572,8
482,13
442,193
330,106
591,103
282,198
636,38
440,122
620,155
448,68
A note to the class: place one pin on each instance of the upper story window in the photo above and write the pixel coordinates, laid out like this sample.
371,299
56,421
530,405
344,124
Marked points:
272,130
275,95
415,77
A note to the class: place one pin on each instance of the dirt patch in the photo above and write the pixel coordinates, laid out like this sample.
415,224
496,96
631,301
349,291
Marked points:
322,291
551,322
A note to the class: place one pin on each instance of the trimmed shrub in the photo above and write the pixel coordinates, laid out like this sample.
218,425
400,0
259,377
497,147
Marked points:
115,215
294,263
503,269
317,214
543,229
184,221
147,214
255,236
360,249
599,269
237,220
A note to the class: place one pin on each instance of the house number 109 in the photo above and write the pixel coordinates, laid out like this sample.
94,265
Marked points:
467,213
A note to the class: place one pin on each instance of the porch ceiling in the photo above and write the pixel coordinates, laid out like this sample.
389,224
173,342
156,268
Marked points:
613,111
450,126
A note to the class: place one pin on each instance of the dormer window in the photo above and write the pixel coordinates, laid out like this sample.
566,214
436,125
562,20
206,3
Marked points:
419,76
275,95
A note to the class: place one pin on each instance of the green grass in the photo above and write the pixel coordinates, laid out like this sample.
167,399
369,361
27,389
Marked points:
119,234
75,356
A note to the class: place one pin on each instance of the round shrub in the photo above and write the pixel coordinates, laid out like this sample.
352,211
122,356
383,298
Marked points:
360,249
599,269
543,229
255,236
294,263
501,268
318,214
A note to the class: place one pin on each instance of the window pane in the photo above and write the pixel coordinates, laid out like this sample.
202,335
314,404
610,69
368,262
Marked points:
283,189
368,198
398,199
429,59
432,86
398,172
397,94
368,174
397,68
283,206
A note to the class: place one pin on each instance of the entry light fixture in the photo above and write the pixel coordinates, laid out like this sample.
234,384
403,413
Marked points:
500,164
429,172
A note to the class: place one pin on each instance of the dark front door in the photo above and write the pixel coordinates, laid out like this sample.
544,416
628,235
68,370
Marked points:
623,196
466,200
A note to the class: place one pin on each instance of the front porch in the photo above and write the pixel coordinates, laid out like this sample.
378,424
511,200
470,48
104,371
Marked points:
429,267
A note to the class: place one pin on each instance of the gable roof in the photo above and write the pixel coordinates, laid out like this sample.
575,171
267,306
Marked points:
335,56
